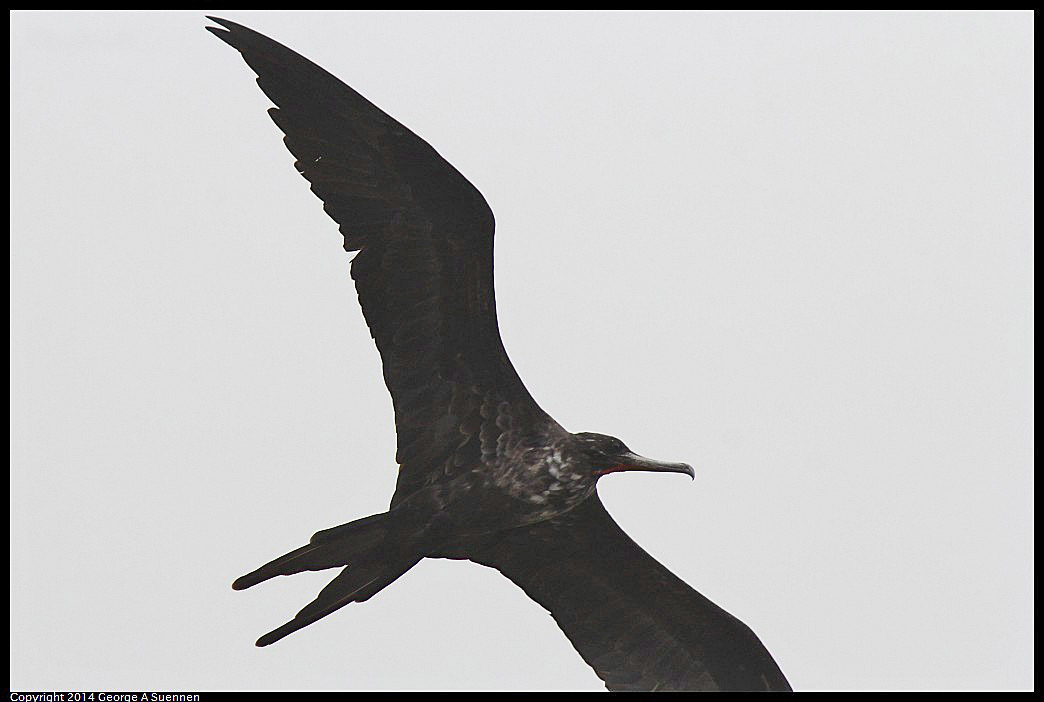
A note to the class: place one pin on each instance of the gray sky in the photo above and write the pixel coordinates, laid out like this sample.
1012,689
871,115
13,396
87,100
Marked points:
794,250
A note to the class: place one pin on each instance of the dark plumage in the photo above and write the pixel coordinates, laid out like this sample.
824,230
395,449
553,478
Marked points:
485,474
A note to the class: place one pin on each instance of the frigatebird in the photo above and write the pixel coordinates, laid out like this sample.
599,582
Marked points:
484,473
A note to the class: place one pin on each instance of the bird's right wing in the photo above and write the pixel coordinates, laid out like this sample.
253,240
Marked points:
424,271
637,624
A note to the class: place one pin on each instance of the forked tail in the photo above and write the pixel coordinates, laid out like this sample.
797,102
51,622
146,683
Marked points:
363,546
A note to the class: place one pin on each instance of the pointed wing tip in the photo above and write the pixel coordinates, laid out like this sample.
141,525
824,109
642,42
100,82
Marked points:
223,22
240,33
229,32
222,34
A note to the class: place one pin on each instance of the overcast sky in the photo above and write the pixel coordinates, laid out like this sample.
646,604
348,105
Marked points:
793,250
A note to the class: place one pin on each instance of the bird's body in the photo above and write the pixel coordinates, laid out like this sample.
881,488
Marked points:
484,473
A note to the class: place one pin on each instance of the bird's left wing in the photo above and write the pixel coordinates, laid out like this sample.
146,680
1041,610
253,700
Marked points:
637,624
424,271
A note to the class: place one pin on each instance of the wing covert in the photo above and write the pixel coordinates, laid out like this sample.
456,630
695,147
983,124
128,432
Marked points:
424,268
637,624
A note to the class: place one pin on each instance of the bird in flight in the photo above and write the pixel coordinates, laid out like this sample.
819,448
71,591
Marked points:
484,473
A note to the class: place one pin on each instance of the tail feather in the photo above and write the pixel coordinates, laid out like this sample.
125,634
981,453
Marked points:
355,583
373,561
330,548
366,528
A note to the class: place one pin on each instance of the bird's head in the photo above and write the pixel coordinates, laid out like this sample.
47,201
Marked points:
607,454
